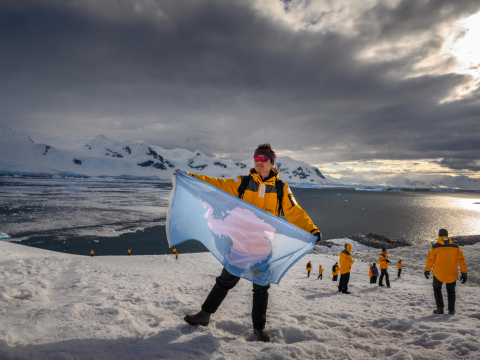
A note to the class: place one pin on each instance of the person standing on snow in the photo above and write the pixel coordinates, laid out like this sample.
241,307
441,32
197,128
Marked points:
373,279
320,273
446,256
383,261
92,252
335,269
400,267
309,268
346,262
263,189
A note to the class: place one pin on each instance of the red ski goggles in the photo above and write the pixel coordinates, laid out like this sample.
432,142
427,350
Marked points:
260,158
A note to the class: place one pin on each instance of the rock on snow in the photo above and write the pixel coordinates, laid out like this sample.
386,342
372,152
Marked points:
61,306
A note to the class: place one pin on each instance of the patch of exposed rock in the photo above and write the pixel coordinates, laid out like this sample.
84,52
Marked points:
378,241
466,240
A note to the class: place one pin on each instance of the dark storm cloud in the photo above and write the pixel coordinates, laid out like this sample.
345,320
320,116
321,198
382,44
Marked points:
221,77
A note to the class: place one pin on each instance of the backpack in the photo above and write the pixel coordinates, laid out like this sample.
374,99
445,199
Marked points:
279,184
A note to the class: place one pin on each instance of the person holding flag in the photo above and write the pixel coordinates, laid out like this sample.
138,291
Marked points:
262,189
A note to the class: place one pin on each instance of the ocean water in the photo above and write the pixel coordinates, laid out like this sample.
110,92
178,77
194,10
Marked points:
78,215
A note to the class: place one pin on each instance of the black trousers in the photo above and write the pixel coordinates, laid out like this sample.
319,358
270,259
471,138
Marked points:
227,281
335,278
343,285
384,273
373,279
308,273
320,276
437,292
399,272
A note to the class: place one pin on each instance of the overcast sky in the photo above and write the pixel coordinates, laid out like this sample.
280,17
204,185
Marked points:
363,88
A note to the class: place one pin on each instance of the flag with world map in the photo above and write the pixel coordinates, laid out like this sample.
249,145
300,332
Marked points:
248,242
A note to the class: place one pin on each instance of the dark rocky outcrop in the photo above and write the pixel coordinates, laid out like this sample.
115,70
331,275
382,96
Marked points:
378,241
466,240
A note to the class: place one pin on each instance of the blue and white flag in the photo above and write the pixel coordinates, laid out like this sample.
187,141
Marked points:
249,242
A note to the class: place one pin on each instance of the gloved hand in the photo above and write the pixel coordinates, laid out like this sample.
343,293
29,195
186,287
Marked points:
427,274
388,261
463,278
319,237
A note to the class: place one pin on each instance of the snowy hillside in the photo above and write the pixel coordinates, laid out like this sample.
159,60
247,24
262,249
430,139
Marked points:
103,156
56,306
403,182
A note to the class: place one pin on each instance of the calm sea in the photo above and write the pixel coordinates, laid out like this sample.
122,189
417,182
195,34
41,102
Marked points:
75,216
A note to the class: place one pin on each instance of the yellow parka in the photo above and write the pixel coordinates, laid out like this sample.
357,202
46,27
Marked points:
399,265
309,266
320,270
335,272
446,256
382,260
92,252
346,260
370,271
263,194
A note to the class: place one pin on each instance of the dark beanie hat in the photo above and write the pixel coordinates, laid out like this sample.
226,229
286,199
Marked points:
442,232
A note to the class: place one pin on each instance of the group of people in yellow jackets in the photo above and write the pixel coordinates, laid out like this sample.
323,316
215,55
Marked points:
445,257
320,270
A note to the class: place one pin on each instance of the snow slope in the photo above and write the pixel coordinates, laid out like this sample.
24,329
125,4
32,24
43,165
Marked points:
103,156
58,306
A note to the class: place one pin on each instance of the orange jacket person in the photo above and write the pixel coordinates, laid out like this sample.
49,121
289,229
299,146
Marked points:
309,268
400,267
320,272
261,188
346,262
92,252
446,256
335,269
383,261
176,255
129,251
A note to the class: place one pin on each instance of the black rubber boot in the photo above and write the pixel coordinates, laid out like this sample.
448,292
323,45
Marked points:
452,312
438,311
346,292
202,318
381,285
262,335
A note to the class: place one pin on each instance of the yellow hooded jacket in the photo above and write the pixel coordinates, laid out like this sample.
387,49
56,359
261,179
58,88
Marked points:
346,260
335,272
399,265
309,266
382,260
320,270
263,194
446,256
370,271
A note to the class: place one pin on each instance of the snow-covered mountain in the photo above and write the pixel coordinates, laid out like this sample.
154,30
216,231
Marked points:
403,182
354,181
103,156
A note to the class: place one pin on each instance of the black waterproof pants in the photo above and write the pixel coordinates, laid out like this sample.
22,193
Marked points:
384,273
399,272
343,285
437,291
373,279
335,278
320,277
308,273
227,281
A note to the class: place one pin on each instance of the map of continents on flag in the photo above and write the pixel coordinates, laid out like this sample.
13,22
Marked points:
248,242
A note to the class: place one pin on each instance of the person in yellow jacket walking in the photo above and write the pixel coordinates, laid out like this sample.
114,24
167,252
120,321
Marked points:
129,251
383,261
400,267
309,268
346,262
320,273
261,188
335,269
92,252
447,257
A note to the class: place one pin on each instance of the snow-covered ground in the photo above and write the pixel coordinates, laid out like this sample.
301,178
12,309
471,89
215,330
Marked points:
58,306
